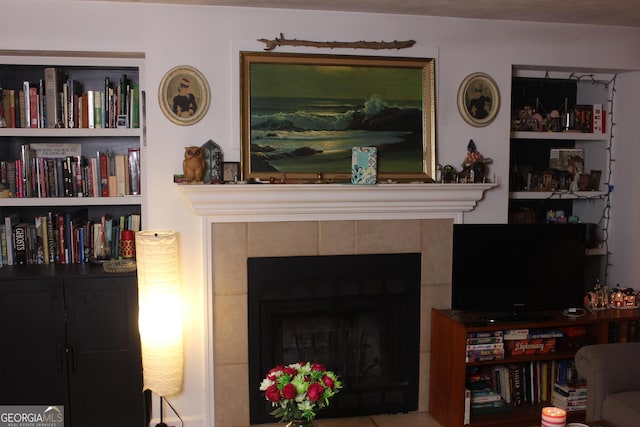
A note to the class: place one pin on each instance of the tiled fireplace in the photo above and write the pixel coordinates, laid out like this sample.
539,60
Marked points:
378,219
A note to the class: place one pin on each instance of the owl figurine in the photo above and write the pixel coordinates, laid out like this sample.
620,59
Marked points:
193,164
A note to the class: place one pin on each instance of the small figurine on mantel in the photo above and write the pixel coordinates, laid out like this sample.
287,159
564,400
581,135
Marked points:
213,160
193,164
474,167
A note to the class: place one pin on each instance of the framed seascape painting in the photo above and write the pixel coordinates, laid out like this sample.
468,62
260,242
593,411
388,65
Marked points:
302,115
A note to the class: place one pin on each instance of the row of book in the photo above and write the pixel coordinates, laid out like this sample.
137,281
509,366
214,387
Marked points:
484,346
60,170
56,101
523,383
570,395
57,237
493,345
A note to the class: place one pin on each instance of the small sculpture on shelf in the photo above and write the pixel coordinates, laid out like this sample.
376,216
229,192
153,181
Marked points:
597,299
448,174
193,164
474,167
623,298
213,161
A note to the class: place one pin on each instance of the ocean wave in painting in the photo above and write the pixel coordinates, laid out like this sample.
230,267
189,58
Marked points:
285,129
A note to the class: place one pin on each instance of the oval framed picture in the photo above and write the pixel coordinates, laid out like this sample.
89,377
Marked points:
478,99
184,95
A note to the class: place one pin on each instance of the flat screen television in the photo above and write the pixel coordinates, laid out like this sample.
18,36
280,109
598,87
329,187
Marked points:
518,269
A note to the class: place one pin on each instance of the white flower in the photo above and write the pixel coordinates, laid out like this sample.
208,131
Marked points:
305,405
265,384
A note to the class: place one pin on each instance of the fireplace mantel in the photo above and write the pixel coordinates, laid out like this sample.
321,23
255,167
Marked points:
323,202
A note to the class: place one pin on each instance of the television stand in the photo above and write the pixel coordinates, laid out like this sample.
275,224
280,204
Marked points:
516,316
449,367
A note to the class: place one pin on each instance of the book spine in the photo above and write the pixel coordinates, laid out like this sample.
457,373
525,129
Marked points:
91,121
135,106
106,108
484,334
26,108
467,407
62,252
42,114
33,107
134,171
488,340
51,85
97,109
20,243
51,237
485,346
9,222
121,170
3,245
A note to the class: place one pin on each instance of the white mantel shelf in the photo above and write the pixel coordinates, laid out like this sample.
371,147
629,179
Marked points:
324,202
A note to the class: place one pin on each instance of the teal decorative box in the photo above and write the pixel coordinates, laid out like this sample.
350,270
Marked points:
364,165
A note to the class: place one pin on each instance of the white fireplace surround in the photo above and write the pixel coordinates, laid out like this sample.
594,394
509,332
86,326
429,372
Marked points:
232,208
323,202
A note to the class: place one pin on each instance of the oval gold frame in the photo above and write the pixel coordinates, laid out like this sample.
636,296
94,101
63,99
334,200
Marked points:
169,89
480,85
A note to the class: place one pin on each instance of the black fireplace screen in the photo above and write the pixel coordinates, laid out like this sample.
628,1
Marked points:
359,315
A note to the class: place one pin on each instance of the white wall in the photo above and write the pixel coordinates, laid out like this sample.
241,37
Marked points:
209,39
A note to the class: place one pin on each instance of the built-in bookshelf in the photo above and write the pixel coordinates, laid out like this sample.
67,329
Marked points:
71,154
560,140
528,363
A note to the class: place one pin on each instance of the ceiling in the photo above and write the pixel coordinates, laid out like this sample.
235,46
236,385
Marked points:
599,12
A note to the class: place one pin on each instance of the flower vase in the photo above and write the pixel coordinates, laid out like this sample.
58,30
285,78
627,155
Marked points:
300,423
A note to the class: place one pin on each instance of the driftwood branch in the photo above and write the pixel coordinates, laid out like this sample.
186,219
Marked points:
282,41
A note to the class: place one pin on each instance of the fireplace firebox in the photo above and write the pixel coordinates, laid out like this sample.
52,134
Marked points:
356,314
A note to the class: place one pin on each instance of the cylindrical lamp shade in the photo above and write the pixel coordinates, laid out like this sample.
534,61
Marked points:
160,312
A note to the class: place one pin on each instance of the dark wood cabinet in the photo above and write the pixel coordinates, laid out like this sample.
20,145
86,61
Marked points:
72,339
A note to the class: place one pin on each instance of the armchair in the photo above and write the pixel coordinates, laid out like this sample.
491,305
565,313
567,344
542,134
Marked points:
613,382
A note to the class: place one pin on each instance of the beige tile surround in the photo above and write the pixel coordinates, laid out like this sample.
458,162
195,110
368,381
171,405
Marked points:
233,243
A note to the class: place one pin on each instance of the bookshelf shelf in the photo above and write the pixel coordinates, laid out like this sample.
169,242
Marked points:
542,195
567,136
69,133
71,201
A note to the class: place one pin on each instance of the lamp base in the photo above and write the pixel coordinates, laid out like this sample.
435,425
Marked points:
162,425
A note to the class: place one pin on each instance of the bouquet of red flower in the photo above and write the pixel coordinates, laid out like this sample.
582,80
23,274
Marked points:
299,390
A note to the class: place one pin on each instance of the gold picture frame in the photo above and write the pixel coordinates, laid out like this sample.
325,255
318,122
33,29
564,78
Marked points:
184,95
478,99
302,114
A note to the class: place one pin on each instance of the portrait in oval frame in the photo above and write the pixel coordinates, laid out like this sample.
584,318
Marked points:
478,99
184,95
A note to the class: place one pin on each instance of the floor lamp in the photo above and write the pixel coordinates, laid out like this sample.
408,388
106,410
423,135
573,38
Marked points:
160,313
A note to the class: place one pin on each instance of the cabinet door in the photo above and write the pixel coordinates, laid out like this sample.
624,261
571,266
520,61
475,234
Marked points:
105,367
32,343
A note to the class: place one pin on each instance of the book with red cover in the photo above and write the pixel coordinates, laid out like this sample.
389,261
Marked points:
104,175
63,252
34,116
531,346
